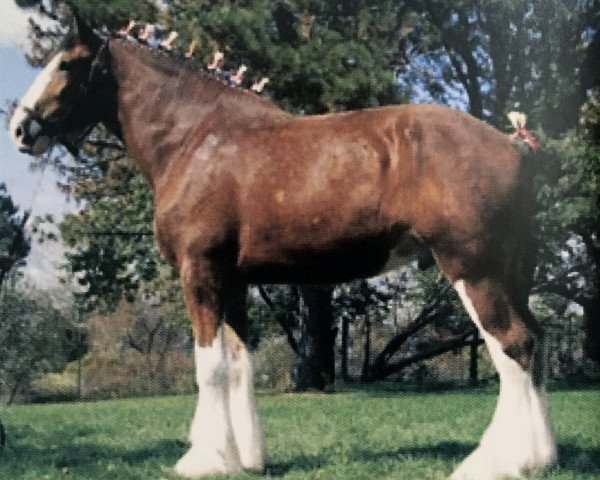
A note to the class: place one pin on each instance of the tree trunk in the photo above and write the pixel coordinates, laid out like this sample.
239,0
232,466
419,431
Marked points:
2,435
345,346
390,368
315,365
13,393
474,360
430,312
366,370
591,346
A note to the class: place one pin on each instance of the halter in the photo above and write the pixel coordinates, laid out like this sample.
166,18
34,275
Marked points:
99,67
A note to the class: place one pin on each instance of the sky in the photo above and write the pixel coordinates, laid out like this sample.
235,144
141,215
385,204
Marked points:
35,191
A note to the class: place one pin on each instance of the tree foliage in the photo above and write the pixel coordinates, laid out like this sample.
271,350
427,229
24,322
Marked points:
14,241
35,337
569,230
320,56
504,55
110,246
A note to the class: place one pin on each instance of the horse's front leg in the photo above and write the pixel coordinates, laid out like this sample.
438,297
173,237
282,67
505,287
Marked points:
244,413
213,448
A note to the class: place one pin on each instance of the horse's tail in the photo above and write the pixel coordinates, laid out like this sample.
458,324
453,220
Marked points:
525,248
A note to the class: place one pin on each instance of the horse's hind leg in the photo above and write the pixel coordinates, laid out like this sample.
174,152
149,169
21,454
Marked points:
519,437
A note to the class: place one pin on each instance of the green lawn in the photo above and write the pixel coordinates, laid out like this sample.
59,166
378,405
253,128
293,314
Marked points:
358,434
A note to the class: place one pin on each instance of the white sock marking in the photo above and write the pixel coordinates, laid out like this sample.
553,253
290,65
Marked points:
244,413
213,448
519,437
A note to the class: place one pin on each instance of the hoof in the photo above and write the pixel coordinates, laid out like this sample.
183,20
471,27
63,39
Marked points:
487,464
196,463
253,457
481,465
257,464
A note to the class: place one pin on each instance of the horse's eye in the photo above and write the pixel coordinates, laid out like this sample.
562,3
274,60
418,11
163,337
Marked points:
72,64
69,65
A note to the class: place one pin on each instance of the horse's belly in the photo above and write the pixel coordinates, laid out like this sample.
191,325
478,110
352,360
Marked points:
341,262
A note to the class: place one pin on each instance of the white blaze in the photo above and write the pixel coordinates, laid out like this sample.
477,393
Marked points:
28,102
518,438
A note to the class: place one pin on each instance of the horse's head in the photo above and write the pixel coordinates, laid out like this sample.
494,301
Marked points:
59,105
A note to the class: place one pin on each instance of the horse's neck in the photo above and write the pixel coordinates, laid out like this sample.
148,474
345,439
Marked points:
162,108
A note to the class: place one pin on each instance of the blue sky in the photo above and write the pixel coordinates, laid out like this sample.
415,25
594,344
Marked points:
35,191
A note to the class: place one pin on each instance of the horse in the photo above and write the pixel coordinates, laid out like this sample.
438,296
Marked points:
245,192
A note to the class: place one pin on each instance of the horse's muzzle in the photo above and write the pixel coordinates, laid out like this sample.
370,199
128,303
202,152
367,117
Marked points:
29,137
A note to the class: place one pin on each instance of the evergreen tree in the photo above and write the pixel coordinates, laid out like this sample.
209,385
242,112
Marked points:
14,241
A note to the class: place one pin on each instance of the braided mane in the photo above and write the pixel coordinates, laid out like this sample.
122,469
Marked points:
173,66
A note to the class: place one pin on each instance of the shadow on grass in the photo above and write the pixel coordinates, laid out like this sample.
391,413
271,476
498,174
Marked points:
572,458
300,463
577,385
70,452
446,450
82,454
393,389
486,386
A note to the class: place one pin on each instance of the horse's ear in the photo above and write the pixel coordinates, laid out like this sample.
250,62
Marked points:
81,32
100,64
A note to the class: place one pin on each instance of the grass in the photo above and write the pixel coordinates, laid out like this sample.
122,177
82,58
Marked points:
357,434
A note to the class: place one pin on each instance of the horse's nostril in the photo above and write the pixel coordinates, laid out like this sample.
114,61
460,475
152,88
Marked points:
19,132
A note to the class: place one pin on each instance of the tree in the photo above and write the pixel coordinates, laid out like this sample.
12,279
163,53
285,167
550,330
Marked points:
111,250
320,58
501,55
152,331
361,301
569,197
306,317
439,314
14,241
282,304
35,337
315,367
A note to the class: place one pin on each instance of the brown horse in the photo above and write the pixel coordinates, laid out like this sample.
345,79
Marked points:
246,193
